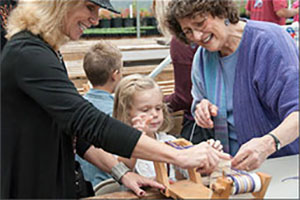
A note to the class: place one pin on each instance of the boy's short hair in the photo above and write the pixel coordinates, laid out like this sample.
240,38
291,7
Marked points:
100,61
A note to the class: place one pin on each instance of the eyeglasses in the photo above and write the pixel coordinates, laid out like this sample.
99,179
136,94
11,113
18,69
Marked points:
198,27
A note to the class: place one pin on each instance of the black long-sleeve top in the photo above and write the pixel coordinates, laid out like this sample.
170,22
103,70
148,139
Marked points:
41,113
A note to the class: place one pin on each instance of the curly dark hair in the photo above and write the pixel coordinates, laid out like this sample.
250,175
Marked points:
179,9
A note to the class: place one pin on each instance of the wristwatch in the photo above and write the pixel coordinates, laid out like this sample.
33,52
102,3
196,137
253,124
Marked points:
118,171
276,140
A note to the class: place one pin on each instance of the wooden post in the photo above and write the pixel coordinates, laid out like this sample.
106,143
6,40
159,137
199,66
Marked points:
222,188
162,176
265,181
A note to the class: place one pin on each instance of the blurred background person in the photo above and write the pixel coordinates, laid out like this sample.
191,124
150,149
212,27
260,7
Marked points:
182,58
275,11
296,6
102,65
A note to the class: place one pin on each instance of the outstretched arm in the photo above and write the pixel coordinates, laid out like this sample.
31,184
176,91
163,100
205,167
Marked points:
202,156
130,163
252,154
98,157
287,12
106,161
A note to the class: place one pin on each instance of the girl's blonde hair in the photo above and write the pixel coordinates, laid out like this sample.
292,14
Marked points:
125,91
43,18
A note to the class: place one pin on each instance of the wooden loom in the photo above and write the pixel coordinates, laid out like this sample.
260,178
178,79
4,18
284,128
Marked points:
194,188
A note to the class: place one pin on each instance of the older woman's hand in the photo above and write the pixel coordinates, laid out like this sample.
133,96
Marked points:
134,182
203,113
253,153
203,153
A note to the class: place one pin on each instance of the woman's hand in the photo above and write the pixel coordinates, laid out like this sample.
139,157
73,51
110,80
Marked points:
135,181
216,144
253,153
203,153
203,113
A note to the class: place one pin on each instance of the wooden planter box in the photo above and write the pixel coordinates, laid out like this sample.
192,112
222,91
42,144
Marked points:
148,21
105,23
117,22
129,22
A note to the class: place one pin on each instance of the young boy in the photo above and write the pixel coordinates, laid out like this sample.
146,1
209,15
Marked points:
103,67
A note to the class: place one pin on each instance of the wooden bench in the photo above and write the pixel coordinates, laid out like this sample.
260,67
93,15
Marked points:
76,51
165,79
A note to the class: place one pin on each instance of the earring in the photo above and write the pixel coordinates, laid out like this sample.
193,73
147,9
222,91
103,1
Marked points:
193,45
226,22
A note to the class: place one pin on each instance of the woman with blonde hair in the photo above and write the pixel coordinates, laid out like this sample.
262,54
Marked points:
42,112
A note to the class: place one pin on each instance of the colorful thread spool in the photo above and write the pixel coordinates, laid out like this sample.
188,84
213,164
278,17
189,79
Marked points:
244,182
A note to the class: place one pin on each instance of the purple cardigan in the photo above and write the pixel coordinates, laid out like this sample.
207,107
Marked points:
266,88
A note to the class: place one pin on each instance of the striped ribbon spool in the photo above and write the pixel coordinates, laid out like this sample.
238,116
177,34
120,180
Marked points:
244,182
172,144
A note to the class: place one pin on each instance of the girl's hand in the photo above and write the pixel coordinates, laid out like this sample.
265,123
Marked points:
141,122
216,144
203,113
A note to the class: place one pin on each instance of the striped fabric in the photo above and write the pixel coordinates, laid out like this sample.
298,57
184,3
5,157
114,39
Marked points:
216,94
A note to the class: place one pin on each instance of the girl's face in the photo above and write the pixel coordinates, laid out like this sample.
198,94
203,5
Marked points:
149,102
80,18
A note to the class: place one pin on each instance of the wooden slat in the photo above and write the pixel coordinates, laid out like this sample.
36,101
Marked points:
164,79
76,51
75,69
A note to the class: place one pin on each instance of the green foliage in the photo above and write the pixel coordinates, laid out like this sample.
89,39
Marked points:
121,30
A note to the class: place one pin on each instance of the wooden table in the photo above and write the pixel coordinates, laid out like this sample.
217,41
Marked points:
284,183
151,193
285,177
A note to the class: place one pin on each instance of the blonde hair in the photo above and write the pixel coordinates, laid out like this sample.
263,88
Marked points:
100,61
43,18
160,10
125,91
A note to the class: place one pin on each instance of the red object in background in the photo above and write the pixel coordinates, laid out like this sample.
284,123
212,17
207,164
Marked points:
296,5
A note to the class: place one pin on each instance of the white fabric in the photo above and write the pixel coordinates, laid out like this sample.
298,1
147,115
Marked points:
146,168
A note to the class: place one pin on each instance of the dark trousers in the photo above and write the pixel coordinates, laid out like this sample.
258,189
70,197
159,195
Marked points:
194,133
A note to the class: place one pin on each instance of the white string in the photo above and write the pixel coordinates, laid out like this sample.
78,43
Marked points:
193,131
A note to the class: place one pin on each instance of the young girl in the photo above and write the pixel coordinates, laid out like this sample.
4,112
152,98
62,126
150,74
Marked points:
139,103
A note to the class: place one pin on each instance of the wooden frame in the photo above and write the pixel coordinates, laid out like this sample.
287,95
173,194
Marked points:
194,188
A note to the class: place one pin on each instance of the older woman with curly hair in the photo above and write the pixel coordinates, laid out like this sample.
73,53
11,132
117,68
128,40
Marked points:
245,79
